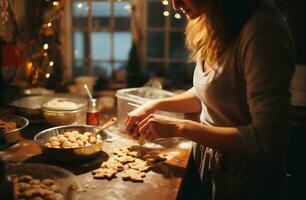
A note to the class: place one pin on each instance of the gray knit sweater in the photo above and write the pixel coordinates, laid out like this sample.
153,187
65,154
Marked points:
250,91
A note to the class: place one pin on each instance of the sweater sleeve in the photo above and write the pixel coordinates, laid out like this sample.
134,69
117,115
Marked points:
194,92
267,65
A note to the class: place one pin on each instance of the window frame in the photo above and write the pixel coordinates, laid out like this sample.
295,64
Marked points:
166,61
139,34
67,27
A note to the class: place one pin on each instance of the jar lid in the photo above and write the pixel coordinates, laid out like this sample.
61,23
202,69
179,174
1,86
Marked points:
93,102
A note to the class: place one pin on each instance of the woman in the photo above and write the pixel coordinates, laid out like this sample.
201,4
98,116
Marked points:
245,62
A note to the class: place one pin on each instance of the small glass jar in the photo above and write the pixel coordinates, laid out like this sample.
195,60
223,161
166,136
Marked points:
93,114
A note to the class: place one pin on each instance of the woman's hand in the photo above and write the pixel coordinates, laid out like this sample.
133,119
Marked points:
137,115
157,126
175,103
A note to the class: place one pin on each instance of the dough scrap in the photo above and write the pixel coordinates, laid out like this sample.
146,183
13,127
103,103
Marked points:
155,157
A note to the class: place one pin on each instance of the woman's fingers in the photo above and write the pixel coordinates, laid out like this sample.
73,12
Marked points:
127,119
127,124
146,128
135,132
131,124
158,126
150,135
145,120
136,116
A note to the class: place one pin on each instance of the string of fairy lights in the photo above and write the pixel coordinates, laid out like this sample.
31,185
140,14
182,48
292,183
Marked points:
166,13
128,7
4,12
40,64
57,6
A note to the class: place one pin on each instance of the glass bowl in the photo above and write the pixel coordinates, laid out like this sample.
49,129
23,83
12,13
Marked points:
65,117
65,111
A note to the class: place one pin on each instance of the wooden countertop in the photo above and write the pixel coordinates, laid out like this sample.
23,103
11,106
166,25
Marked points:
162,182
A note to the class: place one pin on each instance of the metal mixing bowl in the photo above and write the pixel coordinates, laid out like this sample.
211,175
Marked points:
30,107
71,154
11,137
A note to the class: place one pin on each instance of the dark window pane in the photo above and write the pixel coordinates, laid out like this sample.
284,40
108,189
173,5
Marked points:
180,75
101,49
122,46
177,45
156,69
102,69
122,9
122,23
98,22
155,45
155,14
80,22
80,14
177,72
78,45
178,20
80,68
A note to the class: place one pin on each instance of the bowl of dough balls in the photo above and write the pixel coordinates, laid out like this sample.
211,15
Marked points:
10,129
65,110
71,142
42,181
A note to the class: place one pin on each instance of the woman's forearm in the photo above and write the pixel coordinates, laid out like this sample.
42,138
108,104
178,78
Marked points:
224,139
182,103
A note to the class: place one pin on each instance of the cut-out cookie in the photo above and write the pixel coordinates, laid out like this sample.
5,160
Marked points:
102,173
121,151
112,164
140,166
133,175
124,159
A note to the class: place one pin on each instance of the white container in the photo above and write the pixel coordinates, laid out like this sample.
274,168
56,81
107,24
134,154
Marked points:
131,98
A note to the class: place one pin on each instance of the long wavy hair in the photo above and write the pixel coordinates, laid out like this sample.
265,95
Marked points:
208,36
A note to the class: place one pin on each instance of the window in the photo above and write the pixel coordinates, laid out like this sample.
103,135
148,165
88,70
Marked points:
165,50
101,36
